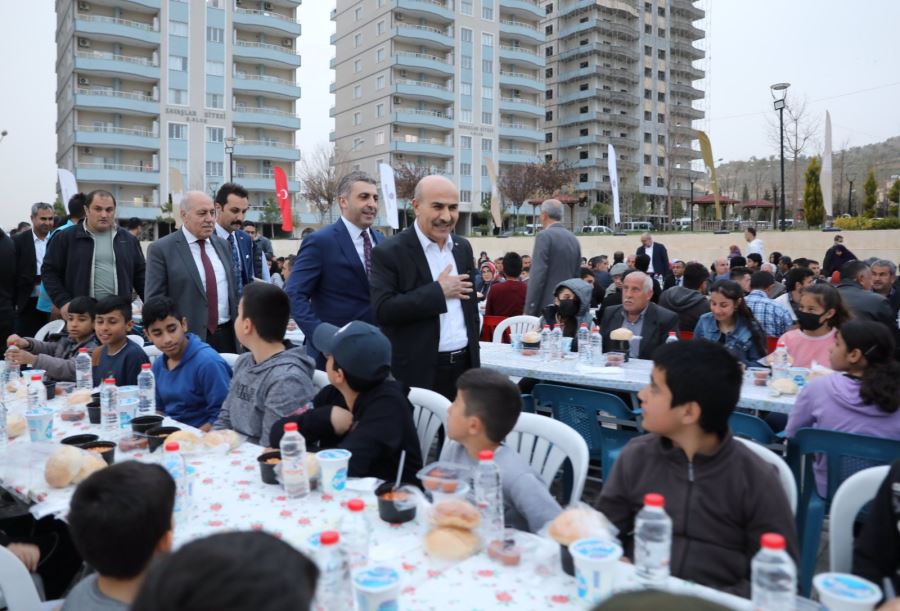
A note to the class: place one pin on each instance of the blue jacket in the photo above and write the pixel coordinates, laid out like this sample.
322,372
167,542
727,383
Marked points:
739,342
193,392
251,264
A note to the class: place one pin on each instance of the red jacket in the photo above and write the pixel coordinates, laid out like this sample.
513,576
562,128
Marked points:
506,299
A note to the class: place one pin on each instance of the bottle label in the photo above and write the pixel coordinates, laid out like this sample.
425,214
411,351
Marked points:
339,480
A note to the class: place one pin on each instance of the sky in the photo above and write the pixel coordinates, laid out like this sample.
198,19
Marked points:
841,56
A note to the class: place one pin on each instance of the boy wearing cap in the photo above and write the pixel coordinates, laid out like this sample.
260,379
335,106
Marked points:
364,409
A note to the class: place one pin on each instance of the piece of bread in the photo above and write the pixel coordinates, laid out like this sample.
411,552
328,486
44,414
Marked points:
571,525
449,543
187,441
62,466
312,465
15,425
456,513
79,397
216,438
785,386
90,463
621,334
532,337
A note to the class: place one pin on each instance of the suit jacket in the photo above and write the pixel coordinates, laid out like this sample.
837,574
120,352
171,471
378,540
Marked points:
866,305
657,324
660,258
556,257
251,263
171,272
7,282
25,265
328,282
407,303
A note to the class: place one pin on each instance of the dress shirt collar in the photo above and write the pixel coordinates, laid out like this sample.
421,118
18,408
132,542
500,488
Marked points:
425,241
355,230
191,238
222,232
757,293
35,237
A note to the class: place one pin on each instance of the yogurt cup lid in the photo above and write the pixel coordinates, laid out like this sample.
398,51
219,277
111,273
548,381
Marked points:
39,413
595,549
334,454
376,578
848,587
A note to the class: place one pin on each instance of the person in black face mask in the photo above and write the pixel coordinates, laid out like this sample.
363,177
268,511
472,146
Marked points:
821,310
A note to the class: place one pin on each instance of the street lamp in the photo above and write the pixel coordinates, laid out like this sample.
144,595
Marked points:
692,202
779,93
3,135
229,150
850,179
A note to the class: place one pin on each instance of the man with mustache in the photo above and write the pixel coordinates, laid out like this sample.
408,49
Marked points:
638,314
231,207
192,267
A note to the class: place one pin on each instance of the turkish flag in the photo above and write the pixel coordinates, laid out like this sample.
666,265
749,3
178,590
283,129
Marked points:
284,199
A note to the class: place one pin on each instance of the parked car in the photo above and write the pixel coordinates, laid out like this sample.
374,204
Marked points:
637,226
682,224
596,229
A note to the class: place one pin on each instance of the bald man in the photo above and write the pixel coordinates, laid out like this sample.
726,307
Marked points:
556,257
192,266
422,293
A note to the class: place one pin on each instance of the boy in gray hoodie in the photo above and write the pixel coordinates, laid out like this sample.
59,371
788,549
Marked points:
270,381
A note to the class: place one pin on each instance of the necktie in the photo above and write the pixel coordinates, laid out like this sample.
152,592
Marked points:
236,265
212,291
367,251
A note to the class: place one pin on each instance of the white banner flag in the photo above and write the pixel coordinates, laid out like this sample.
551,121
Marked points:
825,177
614,183
67,185
389,192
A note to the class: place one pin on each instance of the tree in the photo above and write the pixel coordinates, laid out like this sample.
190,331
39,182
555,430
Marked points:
59,211
767,195
799,129
600,212
320,173
894,193
518,183
745,193
406,177
813,204
870,199
553,178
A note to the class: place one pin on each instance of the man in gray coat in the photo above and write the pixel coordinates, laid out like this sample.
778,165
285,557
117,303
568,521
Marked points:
192,267
556,257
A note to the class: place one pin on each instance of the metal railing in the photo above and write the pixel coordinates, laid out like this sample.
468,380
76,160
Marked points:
120,167
110,129
520,24
128,95
423,113
143,61
423,84
421,56
264,45
265,78
272,143
519,50
423,28
148,27
247,11
266,111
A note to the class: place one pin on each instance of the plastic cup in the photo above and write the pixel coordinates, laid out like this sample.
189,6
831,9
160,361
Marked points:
377,588
799,375
565,345
596,568
40,424
333,464
843,592
758,376
127,409
515,339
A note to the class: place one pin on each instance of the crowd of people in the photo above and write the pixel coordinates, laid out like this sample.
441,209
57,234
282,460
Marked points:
383,314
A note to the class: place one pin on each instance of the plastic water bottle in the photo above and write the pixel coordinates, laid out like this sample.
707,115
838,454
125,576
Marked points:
173,462
37,394
596,346
652,541
556,342
335,591
109,406
546,348
13,373
488,491
584,344
781,361
293,462
4,437
774,576
84,377
146,391
355,530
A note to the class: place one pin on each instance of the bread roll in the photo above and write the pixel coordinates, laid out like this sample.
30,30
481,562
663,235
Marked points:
187,441
571,525
79,397
15,425
785,386
62,466
312,465
621,334
90,463
216,438
449,543
532,337
456,513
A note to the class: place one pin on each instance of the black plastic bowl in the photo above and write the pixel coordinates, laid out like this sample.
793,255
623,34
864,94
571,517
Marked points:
266,470
93,413
77,440
109,455
157,436
142,424
388,510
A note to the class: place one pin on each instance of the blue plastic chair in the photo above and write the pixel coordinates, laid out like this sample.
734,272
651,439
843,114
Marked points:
846,454
528,404
755,429
584,410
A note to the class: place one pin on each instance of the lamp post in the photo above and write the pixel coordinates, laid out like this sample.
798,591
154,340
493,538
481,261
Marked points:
779,93
692,203
3,135
229,150
850,179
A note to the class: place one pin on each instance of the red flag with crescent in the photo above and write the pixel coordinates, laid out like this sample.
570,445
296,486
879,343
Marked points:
284,199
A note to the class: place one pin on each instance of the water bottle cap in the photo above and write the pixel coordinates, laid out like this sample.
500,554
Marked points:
144,367
36,378
356,505
772,541
654,500
584,325
109,381
486,455
780,343
290,427
172,446
82,351
329,537
546,326
671,334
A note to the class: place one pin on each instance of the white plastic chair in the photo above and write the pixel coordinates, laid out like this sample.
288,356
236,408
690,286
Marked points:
515,324
785,476
16,585
320,379
54,326
152,352
429,414
545,443
230,358
137,339
856,491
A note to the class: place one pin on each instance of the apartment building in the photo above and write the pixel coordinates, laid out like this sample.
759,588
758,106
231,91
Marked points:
206,87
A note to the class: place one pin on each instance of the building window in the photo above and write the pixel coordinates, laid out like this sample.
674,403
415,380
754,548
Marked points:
357,40
484,170
379,138
465,88
465,35
180,165
379,54
660,117
215,100
647,159
214,68
548,137
215,35
583,177
647,137
178,28
465,7
549,8
661,96
178,63
357,13
465,116
487,145
661,11
548,116
465,169
465,62
465,195
648,50
583,132
548,72
661,75
661,54
648,72
487,40
487,66
487,93
215,134
177,131
647,182
379,81
648,94
661,161
465,143
582,154
379,110
648,116
548,51
357,65
357,92
661,32
648,29
487,118
661,139
487,12
357,118
214,168
178,96
380,27
548,94
357,143
548,30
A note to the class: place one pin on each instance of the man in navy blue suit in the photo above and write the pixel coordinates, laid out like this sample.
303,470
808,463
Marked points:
231,206
329,279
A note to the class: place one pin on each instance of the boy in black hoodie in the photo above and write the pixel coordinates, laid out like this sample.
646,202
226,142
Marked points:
364,409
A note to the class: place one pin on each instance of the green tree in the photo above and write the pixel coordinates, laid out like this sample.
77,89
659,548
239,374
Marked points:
894,193
745,193
58,209
271,211
870,199
600,211
813,204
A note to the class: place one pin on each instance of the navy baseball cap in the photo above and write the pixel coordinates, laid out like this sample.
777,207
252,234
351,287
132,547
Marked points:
359,348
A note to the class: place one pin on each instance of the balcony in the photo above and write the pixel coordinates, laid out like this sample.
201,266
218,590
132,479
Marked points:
423,62
620,30
527,9
514,155
434,147
267,54
266,149
687,8
685,68
267,85
584,117
426,9
111,29
522,31
521,55
686,49
686,111
577,96
266,117
606,95
263,181
116,66
521,131
116,137
125,102
424,35
142,6
423,118
521,80
266,22
619,75
520,106
620,119
683,132
612,51
685,91
616,141
114,173
685,27
423,90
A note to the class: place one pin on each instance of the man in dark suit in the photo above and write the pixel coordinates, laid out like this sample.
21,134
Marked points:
192,266
659,256
856,290
638,314
31,246
329,279
7,288
232,202
556,257
422,294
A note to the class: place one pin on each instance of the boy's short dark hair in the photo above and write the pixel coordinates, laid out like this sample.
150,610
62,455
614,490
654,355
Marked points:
695,274
755,256
797,276
702,371
801,262
512,265
83,305
159,308
737,261
134,223
751,231
119,514
114,303
268,308
761,280
230,572
642,263
586,272
493,399
739,272
786,260
76,205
